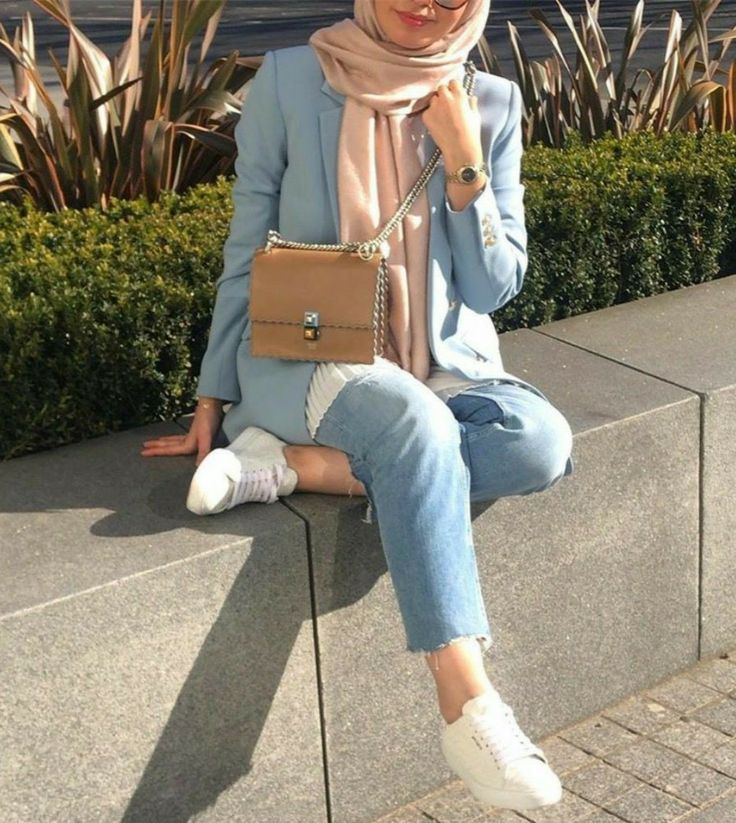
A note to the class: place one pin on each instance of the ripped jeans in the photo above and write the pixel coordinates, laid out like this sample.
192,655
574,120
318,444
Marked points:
422,461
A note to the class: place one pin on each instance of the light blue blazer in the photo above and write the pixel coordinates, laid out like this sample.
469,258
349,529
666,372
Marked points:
287,139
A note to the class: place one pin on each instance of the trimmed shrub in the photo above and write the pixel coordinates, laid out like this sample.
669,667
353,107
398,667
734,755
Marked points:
620,219
104,315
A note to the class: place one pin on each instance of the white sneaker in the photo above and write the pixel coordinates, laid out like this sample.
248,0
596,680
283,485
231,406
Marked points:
250,469
496,761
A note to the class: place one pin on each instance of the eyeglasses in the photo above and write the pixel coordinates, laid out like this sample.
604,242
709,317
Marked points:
451,4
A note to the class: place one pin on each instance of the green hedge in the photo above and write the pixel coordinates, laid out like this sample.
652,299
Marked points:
104,315
623,219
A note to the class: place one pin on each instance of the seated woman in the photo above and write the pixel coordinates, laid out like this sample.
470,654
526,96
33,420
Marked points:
332,137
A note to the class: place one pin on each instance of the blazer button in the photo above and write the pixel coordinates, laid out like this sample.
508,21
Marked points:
453,304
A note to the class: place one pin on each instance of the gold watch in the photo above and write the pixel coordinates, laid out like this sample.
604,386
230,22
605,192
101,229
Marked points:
467,174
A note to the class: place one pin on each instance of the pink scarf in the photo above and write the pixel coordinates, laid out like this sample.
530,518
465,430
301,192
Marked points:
386,88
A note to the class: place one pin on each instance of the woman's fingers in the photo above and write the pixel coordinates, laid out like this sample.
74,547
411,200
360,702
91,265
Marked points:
166,451
453,87
164,441
170,445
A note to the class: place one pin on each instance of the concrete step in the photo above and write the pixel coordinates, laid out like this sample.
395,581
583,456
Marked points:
687,338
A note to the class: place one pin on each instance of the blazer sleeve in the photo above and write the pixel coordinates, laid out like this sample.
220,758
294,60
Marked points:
260,136
488,237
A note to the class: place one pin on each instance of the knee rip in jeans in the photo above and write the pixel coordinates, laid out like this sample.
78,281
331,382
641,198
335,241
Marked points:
485,641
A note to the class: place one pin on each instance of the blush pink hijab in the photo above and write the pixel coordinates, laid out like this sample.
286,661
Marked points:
386,88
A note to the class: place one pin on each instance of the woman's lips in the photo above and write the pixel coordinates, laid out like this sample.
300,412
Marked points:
413,22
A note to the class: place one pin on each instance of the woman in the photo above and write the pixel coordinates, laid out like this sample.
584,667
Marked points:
332,137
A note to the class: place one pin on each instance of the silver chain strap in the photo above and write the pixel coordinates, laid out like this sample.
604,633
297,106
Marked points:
367,248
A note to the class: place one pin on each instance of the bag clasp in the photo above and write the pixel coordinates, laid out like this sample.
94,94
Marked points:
311,325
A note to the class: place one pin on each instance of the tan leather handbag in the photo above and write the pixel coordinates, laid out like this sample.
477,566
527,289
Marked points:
326,302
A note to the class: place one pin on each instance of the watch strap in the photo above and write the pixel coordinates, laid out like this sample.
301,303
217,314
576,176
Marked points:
456,176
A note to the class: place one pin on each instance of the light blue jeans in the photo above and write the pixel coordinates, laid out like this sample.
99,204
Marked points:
422,461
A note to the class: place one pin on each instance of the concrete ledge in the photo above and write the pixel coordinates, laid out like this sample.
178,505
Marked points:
156,665
159,665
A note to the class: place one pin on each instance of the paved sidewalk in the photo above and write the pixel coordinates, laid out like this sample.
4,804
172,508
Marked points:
665,754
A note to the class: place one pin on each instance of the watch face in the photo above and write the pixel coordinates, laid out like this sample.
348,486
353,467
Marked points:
468,174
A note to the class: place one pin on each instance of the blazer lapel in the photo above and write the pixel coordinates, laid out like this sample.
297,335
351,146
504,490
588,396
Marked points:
329,134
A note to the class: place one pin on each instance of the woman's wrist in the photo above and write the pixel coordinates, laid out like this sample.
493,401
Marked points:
468,154
460,194
209,403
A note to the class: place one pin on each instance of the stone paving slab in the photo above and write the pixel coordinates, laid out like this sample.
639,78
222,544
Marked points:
155,665
84,514
629,762
686,336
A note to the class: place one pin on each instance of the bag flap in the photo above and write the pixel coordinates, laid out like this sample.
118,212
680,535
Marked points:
285,283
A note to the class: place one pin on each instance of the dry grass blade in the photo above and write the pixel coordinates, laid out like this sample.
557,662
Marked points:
145,122
133,126
595,97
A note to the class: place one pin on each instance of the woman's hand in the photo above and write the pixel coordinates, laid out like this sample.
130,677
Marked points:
204,427
453,120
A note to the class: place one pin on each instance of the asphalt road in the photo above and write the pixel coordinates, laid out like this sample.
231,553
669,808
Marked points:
251,27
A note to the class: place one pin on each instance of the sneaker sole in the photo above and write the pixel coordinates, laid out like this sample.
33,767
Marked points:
508,799
513,799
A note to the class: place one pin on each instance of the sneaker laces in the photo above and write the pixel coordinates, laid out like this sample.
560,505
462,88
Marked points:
500,734
258,485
